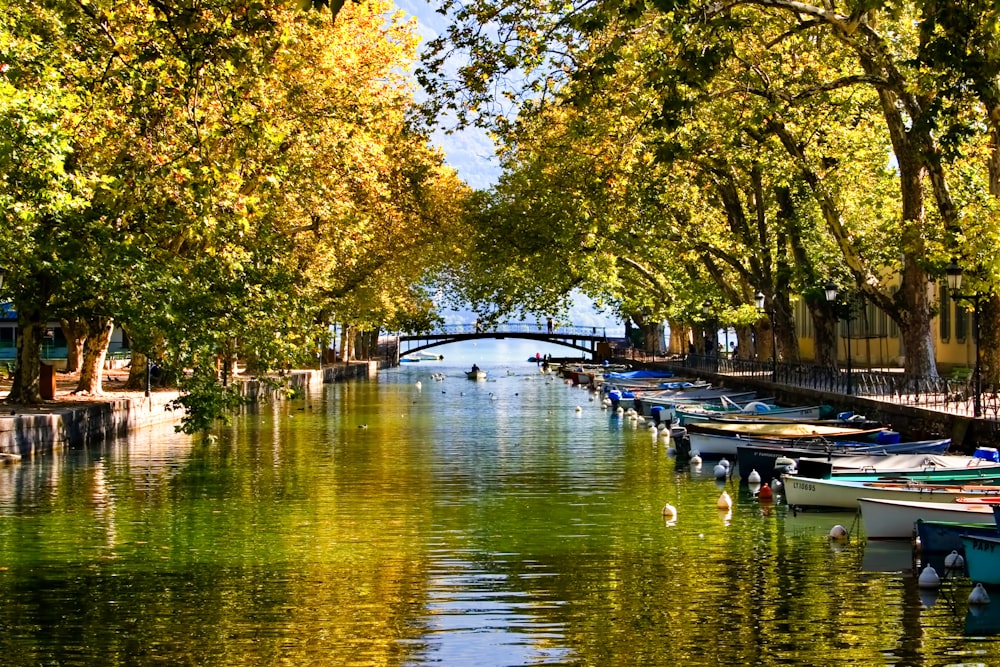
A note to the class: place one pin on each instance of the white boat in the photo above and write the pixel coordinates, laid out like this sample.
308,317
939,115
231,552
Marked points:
814,492
749,413
420,356
883,519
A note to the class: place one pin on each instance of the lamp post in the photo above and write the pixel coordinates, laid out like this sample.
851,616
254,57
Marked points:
758,300
830,291
953,273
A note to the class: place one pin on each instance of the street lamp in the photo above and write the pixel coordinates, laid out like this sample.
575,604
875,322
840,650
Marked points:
758,300
830,292
953,272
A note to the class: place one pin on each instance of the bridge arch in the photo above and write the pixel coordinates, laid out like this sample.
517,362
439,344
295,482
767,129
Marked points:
584,339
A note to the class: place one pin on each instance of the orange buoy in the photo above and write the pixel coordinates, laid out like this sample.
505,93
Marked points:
765,492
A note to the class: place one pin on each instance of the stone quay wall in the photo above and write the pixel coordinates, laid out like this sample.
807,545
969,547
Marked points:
39,430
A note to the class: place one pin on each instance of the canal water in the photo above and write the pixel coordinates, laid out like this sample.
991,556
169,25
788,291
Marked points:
455,523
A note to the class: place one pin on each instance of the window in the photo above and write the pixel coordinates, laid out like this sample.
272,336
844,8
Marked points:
961,322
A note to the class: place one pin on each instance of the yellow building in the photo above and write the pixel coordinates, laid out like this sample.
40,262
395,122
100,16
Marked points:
875,341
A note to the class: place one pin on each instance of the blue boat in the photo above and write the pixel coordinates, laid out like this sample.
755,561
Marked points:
943,537
638,375
982,558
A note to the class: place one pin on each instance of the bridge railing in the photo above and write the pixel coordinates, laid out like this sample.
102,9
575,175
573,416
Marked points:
564,330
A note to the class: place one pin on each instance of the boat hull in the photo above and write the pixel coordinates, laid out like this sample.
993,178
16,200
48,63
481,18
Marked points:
982,559
761,456
831,493
475,375
943,537
896,519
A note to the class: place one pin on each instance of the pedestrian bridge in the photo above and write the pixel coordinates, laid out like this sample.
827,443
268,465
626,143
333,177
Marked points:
585,339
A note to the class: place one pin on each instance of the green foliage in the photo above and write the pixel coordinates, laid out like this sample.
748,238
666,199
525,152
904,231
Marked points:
205,402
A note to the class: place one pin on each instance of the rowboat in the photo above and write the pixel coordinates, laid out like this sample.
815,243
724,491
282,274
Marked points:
895,519
813,492
722,439
842,458
476,375
754,411
645,402
943,537
798,430
982,558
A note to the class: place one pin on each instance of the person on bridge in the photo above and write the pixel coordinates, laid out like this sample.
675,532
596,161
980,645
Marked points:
548,323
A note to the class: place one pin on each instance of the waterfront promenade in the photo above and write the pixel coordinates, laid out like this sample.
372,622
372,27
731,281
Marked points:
919,408
73,420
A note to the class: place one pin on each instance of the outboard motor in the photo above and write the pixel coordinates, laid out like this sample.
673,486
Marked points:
656,413
616,398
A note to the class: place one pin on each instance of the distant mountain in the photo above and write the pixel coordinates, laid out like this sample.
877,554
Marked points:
470,151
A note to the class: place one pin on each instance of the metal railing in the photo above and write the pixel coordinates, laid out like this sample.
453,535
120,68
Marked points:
564,330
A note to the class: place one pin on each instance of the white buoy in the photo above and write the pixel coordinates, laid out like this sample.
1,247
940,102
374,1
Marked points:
418,385
721,471
954,561
929,578
838,533
725,462
695,459
725,502
579,409
753,477
669,511
979,595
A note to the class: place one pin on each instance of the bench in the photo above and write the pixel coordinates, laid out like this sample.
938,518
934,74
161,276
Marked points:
961,374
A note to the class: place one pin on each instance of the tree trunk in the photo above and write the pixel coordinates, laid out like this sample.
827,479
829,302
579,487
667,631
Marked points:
95,349
137,371
31,328
824,322
989,333
346,343
680,334
75,330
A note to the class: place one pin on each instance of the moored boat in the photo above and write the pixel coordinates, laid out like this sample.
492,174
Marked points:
942,537
798,430
884,519
982,558
837,458
754,411
833,493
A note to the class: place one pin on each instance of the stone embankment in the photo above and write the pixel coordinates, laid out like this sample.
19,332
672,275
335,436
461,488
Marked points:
72,421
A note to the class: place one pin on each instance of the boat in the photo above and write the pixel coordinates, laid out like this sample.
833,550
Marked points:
982,558
842,458
637,378
943,537
754,411
645,402
420,356
813,492
716,439
476,374
798,430
884,519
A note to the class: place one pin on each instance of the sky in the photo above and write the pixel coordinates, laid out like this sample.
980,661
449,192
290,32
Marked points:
471,152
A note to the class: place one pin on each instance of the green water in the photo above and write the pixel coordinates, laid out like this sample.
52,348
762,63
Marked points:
462,523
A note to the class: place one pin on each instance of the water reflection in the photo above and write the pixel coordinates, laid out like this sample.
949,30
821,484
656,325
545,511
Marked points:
467,523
